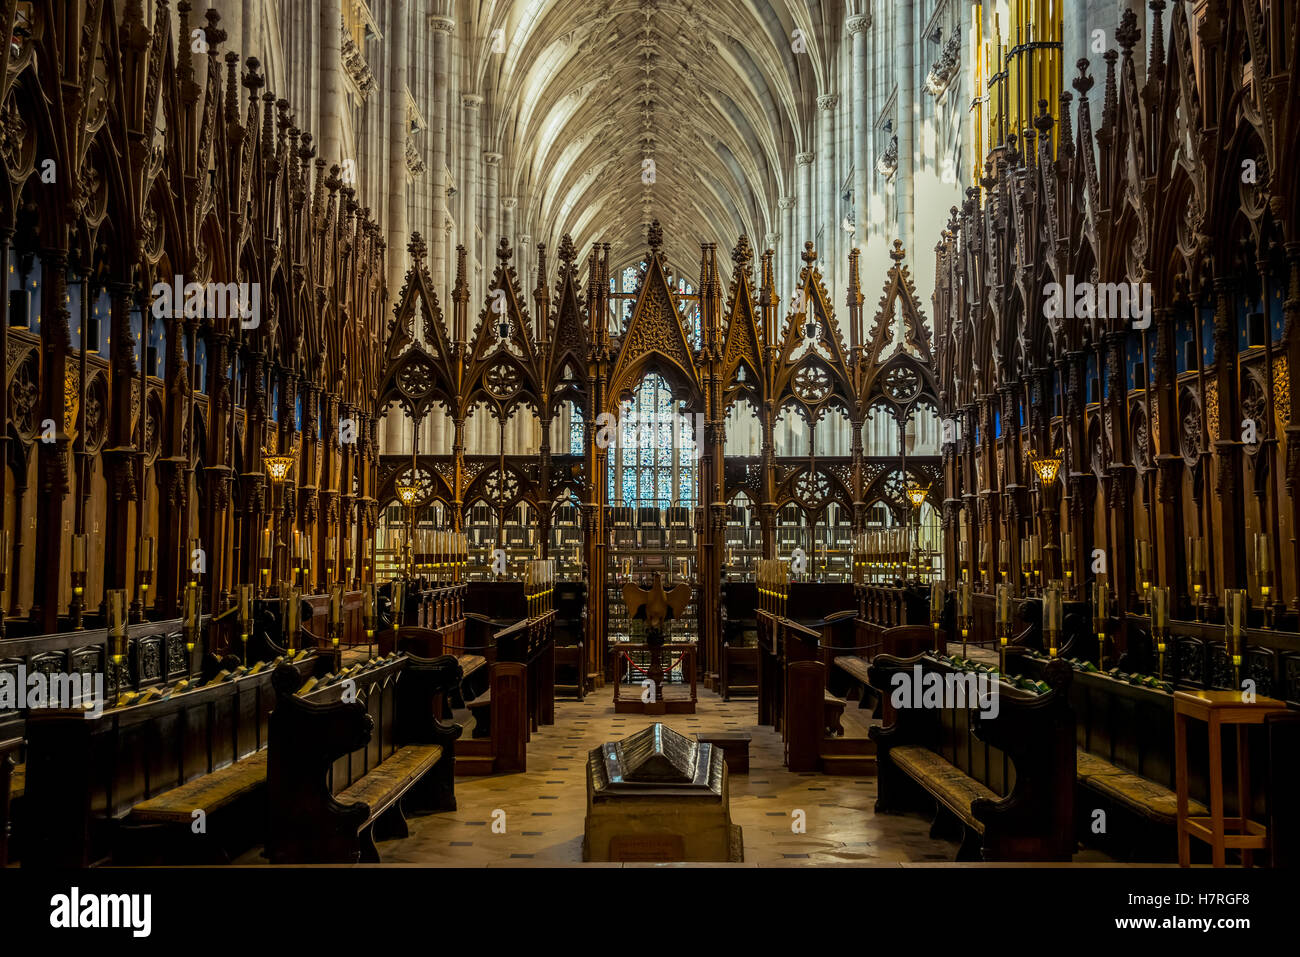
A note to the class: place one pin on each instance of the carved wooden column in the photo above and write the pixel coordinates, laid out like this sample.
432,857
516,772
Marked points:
1229,499
56,344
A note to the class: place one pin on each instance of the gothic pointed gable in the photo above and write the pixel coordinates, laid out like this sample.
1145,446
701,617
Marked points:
898,304
742,344
654,333
417,317
570,342
813,304
504,304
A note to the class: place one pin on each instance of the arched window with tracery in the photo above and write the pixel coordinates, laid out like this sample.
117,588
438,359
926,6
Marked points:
653,464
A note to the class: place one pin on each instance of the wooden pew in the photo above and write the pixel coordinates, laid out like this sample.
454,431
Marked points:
199,749
1126,763
347,761
900,641
570,616
434,643
738,673
1006,782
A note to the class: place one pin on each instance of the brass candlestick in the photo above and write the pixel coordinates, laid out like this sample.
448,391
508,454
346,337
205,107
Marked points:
80,544
1101,619
1196,573
1235,603
1052,614
1264,574
1067,562
292,617
964,613
1026,566
190,602
117,627
145,570
369,613
1144,573
336,614
1160,622
245,619
1004,623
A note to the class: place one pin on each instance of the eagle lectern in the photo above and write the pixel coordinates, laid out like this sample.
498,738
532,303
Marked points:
656,607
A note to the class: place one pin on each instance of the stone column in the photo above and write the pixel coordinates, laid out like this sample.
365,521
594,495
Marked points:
829,188
906,74
331,82
395,96
807,203
442,28
491,211
508,204
785,257
858,27
524,266
469,178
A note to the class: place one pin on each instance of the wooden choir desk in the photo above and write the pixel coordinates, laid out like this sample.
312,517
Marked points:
1218,709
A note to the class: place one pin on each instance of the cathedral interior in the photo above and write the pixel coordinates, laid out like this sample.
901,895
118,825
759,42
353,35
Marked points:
774,433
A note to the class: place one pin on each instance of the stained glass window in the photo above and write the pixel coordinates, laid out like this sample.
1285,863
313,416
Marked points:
656,464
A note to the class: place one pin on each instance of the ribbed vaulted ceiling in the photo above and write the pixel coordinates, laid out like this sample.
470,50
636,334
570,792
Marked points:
713,93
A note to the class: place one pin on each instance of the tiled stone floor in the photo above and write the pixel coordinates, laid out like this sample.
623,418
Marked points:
546,806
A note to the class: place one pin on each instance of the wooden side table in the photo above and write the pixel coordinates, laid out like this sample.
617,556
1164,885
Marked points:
1216,709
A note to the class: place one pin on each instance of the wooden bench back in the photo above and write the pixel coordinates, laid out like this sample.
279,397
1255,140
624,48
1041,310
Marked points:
326,740
84,772
156,656
1026,754
376,690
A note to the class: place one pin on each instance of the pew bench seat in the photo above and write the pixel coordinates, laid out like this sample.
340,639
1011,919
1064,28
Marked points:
855,666
385,784
946,782
470,664
1152,800
481,710
834,711
211,792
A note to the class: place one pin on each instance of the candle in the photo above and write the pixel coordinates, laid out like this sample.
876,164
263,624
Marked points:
1004,554
1004,604
245,607
80,544
936,601
1100,603
1235,611
1160,607
368,608
117,623
336,612
1052,607
266,543
292,617
190,612
1263,556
